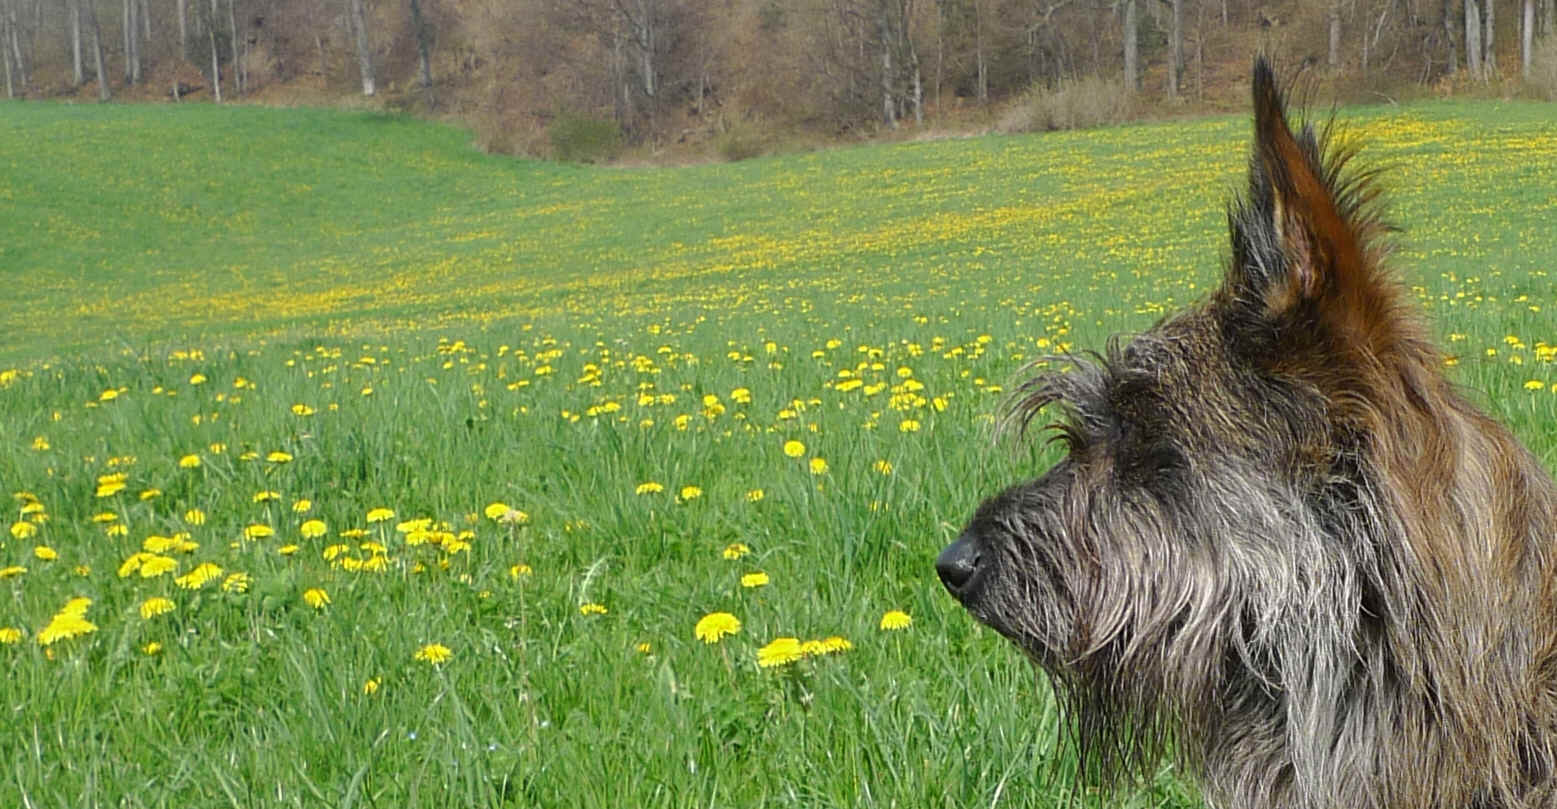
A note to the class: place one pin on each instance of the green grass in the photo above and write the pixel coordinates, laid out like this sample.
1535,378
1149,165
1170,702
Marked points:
468,329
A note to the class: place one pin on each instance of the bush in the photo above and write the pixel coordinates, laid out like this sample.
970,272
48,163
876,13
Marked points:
740,142
1073,104
580,139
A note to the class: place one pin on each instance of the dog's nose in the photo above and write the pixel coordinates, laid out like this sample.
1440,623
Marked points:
958,563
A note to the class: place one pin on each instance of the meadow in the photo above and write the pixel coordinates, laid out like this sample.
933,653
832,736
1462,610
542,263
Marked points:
348,466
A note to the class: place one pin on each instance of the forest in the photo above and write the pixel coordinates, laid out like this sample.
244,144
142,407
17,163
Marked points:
588,79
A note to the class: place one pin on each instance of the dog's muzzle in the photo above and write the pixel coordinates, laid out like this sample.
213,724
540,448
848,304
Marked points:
959,565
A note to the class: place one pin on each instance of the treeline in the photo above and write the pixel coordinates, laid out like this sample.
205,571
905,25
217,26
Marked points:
548,75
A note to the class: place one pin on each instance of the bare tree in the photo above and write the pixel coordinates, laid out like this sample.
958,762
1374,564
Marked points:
1473,40
97,52
132,42
216,64
1132,68
1489,61
1527,39
183,28
359,30
1333,18
1176,48
423,35
77,74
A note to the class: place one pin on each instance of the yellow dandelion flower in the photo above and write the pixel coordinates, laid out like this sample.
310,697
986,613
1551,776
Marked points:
236,583
287,550
644,648
266,496
311,529
258,531
117,530
40,443
735,550
110,488
108,395
495,511
781,652
1535,384
758,579
755,495
380,515
302,506
592,609
278,457
908,426
148,494
152,648
316,597
519,570
189,462
714,626
45,553
69,622
197,379
649,487
895,619
154,606
23,530
155,566
691,492
434,653
884,467
370,687
818,466
835,644
794,449
198,576
105,517
302,410
12,571
10,635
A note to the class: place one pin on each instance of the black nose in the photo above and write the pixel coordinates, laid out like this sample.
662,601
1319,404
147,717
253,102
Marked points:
958,564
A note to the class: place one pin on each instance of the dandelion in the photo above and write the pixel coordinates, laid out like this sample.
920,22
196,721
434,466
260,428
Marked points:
10,635
316,597
12,571
110,488
895,620
435,653
266,496
592,609
199,576
194,516
311,529
156,566
302,506
23,530
197,379
45,553
735,550
691,492
279,457
818,466
154,606
781,652
302,410
794,449
258,531
755,495
908,426
884,466
758,579
151,649
643,648
236,583
69,622
518,571
649,487
40,443
380,515
714,626
495,511
287,550
835,644
1535,384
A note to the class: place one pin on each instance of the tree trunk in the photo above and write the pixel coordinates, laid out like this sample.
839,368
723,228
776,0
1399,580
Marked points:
1527,40
1334,17
132,42
5,53
145,16
216,64
359,29
240,80
423,46
97,52
1131,48
979,55
1176,49
1489,61
1473,40
183,30
1448,35
13,25
888,109
77,72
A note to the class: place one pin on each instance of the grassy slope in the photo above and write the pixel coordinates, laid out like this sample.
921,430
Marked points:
329,252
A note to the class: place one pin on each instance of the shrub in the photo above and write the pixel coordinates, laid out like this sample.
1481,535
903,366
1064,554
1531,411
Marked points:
1543,69
581,139
1072,104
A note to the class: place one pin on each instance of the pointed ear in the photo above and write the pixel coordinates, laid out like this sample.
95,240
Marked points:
1304,240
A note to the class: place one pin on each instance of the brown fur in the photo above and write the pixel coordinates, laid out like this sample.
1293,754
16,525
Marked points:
1283,549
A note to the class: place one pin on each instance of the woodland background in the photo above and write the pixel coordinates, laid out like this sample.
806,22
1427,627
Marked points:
598,80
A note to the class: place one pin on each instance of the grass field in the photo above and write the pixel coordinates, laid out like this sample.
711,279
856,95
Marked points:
347,466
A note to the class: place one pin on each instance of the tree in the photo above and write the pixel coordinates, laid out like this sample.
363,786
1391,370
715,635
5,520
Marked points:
359,29
424,66
1333,18
97,52
1473,40
1132,69
1176,49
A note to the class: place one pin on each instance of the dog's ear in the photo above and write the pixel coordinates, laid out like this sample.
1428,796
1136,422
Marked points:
1306,241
